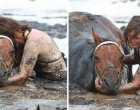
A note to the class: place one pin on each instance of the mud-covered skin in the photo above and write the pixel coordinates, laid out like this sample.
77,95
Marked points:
135,84
6,59
39,46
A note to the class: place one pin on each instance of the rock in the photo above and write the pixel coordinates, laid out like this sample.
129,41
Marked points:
55,31
47,107
122,28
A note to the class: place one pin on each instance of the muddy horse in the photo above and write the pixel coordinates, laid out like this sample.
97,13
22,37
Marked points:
7,58
96,55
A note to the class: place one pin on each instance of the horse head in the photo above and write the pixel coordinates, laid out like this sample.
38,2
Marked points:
6,58
108,64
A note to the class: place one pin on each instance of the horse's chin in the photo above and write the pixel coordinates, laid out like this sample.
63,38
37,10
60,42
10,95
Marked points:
3,78
99,85
3,82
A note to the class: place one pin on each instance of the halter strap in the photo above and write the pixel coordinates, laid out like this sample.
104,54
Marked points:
1,58
3,36
109,42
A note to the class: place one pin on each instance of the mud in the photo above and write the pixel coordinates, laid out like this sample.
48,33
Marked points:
35,92
98,101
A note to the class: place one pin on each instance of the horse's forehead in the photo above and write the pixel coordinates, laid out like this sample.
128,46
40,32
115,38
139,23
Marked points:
111,48
5,42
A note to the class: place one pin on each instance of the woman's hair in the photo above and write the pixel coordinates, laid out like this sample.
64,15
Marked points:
9,26
134,25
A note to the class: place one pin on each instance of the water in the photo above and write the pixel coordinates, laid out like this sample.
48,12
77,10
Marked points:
118,11
42,11
114,10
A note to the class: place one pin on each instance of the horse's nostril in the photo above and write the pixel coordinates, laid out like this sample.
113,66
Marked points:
106,83
117,82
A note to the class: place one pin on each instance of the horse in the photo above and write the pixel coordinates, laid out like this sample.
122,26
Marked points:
95,56
7,55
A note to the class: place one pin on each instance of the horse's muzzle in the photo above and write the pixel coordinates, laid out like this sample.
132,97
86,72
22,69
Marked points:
3,78
107,87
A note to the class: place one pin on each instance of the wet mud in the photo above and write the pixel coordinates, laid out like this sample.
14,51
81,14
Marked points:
98,101
35,92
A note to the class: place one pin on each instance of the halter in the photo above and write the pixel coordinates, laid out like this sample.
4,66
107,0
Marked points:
109,42
2,36
2,59
108,65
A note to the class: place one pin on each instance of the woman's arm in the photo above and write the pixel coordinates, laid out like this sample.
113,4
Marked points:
131,58
27,64
134,85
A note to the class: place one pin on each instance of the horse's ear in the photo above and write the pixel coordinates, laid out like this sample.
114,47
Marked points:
96,38
118,41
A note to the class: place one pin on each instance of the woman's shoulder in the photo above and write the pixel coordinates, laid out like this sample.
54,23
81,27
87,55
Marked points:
39,36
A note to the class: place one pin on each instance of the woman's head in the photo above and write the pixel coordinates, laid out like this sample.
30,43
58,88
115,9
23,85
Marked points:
10,26
132,32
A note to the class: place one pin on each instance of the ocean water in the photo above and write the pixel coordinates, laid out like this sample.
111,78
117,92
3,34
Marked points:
118,11
43,11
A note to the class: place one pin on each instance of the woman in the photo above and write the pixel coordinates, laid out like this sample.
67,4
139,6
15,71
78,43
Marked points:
34,50
132,37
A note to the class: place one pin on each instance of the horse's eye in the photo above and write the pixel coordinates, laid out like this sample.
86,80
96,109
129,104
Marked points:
96,58
12,52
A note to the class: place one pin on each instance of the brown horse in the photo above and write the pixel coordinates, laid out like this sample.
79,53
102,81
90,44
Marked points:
6,58
92,62
109,69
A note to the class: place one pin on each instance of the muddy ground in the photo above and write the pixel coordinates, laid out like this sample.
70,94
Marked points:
98,101
80,99
37,91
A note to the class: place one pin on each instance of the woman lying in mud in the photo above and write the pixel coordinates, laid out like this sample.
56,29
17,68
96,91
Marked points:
34,49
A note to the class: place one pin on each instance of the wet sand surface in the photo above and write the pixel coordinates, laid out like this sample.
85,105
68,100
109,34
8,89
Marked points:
98,101
81,99
34,93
